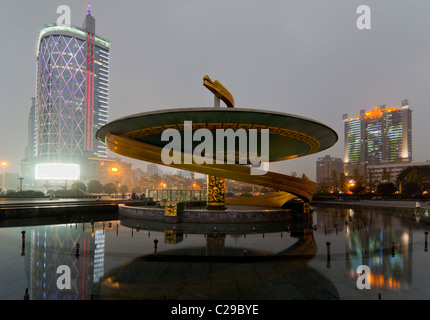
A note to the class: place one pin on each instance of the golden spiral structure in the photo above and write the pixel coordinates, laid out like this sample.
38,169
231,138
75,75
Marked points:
139,137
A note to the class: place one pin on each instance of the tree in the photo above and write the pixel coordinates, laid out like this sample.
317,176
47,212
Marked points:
123,188
323,187
415,174
411,188
95,186
334,179
79,185
371,179
136,189
359,182
386,188
110,188
386,175
342,183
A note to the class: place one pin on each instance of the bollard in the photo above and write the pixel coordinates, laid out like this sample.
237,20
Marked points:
328,254
26,295
77,250
426,243
155,246
245,252
23,243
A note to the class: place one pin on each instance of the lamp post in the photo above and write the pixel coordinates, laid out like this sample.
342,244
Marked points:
115,171
4,164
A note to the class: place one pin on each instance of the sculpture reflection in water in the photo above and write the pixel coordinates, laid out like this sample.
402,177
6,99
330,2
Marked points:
226,261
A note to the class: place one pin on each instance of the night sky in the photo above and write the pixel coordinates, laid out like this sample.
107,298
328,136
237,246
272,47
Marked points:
306,58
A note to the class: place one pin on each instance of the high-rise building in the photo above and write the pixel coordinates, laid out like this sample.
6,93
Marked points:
72,89
328,169
381,135
31,138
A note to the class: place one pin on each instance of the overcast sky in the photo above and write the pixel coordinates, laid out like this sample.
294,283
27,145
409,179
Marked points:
306,58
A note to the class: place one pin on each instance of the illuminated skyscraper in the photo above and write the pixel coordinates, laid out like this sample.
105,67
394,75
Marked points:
382,135
72,86
72,92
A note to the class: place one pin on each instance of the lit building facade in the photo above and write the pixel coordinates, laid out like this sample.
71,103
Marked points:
72,92
382,135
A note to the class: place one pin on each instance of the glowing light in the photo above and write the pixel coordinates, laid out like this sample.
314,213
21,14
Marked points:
114,169
57,171
4,163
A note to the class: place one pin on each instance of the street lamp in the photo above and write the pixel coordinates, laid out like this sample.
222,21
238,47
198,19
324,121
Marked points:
115,171
4,164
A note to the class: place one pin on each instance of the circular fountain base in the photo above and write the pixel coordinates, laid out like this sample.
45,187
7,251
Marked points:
233,214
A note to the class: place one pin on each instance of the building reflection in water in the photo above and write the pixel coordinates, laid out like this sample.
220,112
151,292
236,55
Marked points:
381,241
50,246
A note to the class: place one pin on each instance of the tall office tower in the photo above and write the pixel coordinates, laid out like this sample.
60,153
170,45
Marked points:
382,135
328,168
71,92
31,138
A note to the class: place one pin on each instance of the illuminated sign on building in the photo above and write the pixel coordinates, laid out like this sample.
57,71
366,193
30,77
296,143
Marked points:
57,171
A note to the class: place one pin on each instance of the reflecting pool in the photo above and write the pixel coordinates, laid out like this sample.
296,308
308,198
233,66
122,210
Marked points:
315,258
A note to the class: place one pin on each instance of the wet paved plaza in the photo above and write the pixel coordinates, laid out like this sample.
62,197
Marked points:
133,259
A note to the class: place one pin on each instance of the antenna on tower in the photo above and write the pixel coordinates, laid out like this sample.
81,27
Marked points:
89,9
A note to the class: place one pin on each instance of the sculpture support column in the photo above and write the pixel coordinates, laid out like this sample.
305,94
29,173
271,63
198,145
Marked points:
216,193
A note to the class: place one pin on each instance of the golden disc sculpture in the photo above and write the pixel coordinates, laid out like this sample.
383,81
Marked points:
140,137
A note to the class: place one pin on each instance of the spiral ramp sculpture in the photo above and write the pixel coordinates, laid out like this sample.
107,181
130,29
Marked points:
139,137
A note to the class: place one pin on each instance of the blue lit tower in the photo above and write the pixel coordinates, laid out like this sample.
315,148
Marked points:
71,92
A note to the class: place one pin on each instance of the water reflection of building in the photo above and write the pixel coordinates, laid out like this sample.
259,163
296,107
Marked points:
386,247
330,220
52,246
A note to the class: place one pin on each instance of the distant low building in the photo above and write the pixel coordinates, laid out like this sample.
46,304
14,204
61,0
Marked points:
392,170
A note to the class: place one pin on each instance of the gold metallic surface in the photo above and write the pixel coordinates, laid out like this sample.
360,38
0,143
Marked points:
275,199
219,91
216,192
126,146
171,209
313,143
